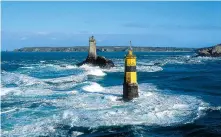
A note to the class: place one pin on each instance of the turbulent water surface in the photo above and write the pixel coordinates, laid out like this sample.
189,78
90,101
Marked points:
45,94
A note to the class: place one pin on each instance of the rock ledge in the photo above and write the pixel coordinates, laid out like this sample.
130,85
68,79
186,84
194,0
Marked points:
99,61
214,51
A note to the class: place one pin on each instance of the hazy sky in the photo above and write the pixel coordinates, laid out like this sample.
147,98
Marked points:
180,24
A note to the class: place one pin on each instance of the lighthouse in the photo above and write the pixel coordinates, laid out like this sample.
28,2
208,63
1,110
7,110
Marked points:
94,59
130,86
92,48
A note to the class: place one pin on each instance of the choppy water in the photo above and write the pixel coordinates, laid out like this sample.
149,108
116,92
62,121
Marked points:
45,94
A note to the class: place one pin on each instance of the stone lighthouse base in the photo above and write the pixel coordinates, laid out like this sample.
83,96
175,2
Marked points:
130,91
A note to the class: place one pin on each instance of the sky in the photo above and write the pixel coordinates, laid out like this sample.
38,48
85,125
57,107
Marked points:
161,24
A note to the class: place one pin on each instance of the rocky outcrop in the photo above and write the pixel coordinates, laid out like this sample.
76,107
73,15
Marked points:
214,51
95,60
99,61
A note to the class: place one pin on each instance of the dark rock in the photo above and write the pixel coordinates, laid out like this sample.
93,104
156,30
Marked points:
63,66
214,51
99,61
157,64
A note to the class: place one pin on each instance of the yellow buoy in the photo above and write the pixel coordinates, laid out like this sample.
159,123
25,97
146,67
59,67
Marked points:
130,86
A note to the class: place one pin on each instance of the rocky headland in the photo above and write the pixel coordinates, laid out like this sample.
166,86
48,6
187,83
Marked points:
214,51
103,49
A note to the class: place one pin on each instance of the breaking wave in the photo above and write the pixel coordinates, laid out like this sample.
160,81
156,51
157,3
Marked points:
139,68
72,78
184,60
20,80
92,70
104,107
93,87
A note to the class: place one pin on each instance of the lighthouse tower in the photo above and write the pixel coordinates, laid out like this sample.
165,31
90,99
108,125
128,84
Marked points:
130,86
92,54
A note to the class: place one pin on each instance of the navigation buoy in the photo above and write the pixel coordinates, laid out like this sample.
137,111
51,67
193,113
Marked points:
130,86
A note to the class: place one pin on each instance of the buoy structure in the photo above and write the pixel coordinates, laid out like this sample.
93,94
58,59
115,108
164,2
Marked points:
130,86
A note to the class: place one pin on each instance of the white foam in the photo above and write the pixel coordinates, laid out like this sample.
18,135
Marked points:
96,72
149,68
114,69
5,91
211,108
74,78
25,92
139,69
148,94
112,98
76,133
70,67
57,67
67,114
8,111
28,86
180,106
74,92
40,127
20,80
187,59
28,67
92,70
145,63
106,109
152,107
93,87
88,67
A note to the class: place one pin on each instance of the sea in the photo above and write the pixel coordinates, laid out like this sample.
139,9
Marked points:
46,94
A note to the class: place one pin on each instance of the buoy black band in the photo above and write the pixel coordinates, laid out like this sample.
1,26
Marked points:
130,68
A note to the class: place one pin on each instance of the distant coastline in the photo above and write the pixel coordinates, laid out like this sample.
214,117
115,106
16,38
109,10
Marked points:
104,49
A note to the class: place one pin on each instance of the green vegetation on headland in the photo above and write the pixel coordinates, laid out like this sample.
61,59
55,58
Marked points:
103,49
